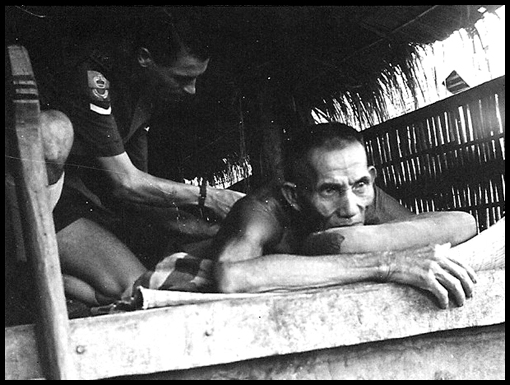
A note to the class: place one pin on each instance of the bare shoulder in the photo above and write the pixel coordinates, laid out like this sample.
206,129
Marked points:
253,224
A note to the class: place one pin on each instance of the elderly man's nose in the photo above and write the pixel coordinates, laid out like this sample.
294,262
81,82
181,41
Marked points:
348,206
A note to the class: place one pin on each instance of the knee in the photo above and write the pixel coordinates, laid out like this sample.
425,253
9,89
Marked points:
57,137
110,289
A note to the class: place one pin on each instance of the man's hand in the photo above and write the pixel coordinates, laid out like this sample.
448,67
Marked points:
221,200
432,269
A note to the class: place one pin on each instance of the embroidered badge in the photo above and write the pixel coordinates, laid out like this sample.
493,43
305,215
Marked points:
98,86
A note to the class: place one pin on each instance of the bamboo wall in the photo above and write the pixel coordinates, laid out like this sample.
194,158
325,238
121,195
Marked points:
446,156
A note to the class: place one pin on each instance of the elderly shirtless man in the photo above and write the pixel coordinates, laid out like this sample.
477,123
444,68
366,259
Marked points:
330,208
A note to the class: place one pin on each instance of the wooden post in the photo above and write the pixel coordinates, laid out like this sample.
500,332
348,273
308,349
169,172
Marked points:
38,227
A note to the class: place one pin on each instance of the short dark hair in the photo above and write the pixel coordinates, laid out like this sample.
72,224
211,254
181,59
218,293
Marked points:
168,31
330,135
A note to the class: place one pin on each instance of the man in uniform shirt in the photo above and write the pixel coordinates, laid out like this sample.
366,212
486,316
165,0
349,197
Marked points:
111,207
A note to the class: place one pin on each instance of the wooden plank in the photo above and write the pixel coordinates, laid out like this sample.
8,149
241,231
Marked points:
13,213
21,357
466,354
227,331
39,231
501,110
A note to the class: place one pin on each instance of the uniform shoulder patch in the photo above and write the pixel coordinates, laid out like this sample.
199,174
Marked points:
99,87
99,92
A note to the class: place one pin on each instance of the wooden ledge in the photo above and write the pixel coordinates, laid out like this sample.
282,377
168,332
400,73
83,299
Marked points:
220,332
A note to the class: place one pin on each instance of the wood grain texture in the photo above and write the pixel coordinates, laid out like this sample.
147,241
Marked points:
466,354
227,331
38,228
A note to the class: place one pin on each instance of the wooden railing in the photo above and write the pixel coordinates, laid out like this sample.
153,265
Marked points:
337,324
447,156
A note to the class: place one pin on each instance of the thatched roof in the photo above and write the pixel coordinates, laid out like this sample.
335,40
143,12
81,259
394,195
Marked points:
317,54
314,53
286,59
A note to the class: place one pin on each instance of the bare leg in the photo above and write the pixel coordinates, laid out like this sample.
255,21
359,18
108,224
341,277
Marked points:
100,260
57,137
76,288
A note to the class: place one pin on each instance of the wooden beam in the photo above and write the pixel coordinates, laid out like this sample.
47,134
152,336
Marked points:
466,354
227,331
39,231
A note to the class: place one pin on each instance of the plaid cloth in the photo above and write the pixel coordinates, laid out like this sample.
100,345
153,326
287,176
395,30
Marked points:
179,272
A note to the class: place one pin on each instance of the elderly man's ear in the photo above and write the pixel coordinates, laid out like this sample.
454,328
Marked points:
373,173
289,192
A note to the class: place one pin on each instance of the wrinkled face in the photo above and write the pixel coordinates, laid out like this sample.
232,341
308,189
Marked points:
177,81
341,186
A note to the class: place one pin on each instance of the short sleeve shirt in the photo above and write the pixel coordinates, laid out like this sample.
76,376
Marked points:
90,109
101,108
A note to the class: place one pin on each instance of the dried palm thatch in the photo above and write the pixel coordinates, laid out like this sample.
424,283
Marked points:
395,66
393,77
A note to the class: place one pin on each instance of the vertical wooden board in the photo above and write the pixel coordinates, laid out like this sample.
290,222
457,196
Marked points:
369,150
377,151
501,110
479,127
397,155
38,227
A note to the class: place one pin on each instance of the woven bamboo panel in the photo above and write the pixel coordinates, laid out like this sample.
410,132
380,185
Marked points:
446,156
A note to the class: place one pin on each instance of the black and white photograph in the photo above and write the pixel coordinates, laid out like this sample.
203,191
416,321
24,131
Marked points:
255,192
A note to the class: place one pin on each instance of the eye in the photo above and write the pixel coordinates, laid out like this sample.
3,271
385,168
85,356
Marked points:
360,187
328,191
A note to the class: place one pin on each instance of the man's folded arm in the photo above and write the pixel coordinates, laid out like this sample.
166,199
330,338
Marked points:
242,267
432,228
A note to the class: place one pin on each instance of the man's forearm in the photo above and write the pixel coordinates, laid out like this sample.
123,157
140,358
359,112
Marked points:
418,231
427,268
293,272
153,191
132,185
150,190
135,186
